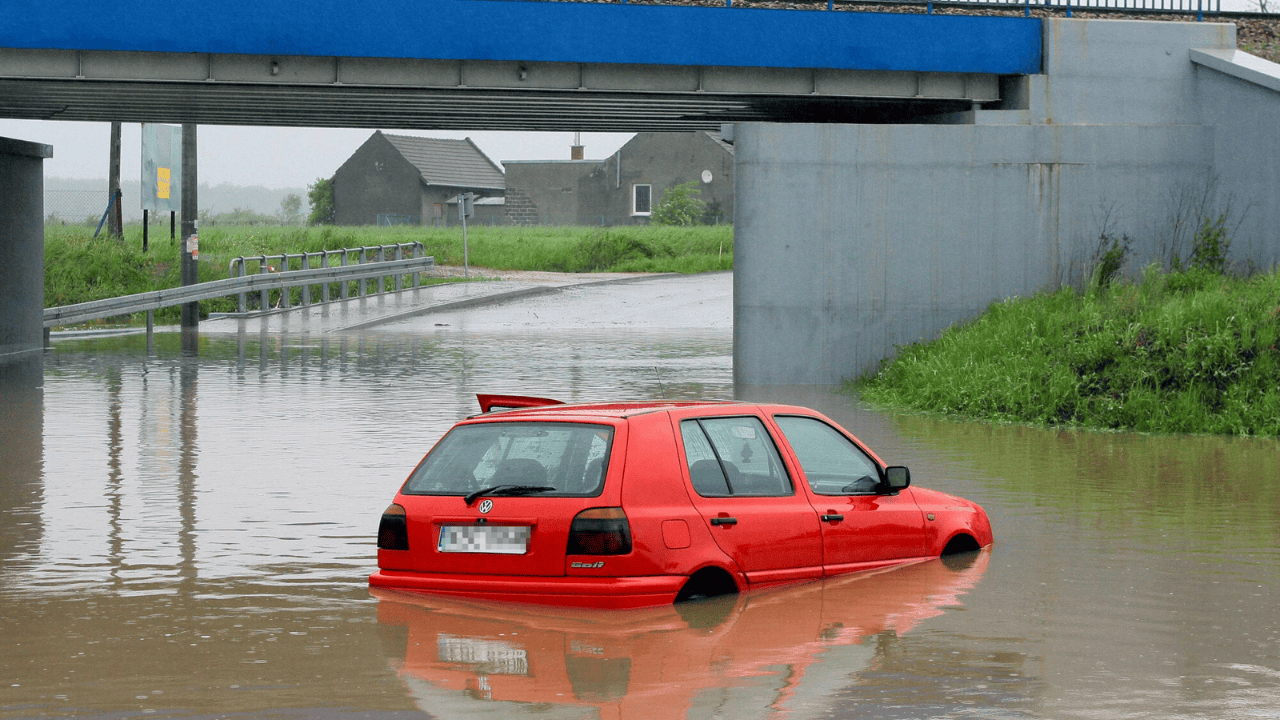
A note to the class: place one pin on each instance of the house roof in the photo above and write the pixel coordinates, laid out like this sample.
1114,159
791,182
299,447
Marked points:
454,163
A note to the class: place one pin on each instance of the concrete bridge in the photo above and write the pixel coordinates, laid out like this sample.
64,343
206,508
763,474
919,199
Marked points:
895,173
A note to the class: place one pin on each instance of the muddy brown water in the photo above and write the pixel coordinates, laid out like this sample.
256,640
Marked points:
190,537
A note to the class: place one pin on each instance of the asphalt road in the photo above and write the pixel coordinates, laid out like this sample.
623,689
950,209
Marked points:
668,302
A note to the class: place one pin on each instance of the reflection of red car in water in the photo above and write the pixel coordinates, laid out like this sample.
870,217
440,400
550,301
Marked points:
625,505
779,648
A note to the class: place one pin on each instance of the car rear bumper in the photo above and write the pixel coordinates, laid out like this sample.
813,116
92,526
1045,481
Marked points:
590,592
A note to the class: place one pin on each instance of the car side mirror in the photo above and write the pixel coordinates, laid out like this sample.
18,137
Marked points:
897,477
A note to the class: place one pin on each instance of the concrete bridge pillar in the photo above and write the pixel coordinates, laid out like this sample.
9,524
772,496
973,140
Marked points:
21,256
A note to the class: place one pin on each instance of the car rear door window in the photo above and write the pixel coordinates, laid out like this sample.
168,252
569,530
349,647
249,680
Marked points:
733,456
832,464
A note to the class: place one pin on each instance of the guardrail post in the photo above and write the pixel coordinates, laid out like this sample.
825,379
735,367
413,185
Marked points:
364,287
382,255
343,290
306,289
399,256
264,295
324,289
242,307
286,301
417,253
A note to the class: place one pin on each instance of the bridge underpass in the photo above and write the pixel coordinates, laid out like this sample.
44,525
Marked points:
895,173
464,64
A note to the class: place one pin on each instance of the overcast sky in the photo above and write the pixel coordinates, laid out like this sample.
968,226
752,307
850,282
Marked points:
270,156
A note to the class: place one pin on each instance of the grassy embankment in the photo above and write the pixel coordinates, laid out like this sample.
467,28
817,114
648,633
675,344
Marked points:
1184,352
79,268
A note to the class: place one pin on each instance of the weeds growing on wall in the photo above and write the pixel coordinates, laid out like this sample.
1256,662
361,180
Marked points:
1209,251
1109,258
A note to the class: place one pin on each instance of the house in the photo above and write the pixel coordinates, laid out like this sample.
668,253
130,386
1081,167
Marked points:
624,188
396,179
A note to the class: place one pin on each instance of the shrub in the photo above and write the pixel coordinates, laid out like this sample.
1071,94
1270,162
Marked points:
678,206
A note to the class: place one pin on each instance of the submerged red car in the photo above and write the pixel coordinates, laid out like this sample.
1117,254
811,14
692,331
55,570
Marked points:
633,504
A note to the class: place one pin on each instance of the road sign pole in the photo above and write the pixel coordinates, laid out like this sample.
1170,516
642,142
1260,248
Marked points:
190,240
462,213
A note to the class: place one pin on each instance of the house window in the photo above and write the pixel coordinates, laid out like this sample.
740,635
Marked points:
641,195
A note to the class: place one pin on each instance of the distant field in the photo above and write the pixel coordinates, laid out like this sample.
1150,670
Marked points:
79,268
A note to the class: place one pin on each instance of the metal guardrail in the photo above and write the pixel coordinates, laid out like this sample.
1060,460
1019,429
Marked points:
238,267
263,282
1200,8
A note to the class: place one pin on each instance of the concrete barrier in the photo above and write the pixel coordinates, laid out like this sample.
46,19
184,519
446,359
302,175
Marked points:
21,252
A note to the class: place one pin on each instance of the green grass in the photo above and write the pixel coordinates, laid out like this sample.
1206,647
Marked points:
576,249
1186,352
79,268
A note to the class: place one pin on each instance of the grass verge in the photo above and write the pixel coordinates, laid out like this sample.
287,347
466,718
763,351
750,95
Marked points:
80,268
1184,352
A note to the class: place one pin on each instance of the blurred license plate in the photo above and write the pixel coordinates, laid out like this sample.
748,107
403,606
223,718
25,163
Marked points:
500,539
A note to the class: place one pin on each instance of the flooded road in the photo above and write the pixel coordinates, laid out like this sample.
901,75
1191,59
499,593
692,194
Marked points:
191,536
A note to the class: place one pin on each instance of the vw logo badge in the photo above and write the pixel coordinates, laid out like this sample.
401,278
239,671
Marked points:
486,506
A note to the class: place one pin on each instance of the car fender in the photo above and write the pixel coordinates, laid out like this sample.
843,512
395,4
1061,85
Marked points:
948,517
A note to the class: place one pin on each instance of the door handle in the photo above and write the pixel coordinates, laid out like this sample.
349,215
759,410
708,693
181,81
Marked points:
724,521
832,518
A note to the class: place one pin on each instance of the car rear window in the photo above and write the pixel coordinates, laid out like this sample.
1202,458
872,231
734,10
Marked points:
572,458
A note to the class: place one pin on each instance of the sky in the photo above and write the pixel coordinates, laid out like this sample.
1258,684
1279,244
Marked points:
270,156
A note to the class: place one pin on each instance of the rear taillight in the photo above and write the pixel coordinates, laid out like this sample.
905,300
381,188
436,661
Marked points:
393,531
600,531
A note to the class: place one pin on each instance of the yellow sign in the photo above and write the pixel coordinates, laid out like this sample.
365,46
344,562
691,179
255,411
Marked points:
162,182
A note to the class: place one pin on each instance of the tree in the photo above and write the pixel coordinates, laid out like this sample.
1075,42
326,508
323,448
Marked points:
321,196
678,206
291,208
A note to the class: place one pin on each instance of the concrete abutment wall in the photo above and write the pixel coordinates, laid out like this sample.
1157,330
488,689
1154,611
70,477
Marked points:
854,239
21,256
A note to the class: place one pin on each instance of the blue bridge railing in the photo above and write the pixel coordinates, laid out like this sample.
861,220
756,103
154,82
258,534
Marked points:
1200,8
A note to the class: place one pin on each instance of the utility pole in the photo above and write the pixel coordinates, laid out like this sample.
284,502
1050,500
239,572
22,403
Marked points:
190,241
115,217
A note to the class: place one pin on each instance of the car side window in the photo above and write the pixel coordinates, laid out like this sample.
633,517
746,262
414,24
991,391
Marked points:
832,464
733,456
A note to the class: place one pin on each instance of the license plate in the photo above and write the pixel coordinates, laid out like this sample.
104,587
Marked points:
497,539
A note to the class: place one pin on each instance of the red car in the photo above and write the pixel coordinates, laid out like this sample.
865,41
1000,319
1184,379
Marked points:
633,504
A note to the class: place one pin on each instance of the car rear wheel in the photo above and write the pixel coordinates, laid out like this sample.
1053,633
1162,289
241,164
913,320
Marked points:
707,582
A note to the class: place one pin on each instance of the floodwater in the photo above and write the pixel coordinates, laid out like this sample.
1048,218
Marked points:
190,537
